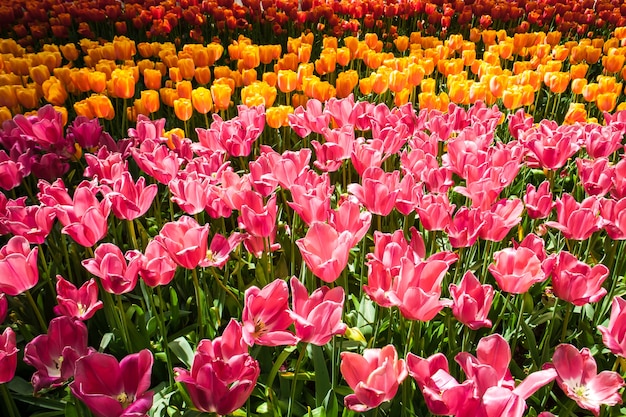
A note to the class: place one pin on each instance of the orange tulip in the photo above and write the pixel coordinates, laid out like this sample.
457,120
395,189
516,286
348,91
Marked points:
258,93
397,80
124,48
345,83
69,51
303,70
5,114
248,76
183,109
97,81
54,91
152,79
512,98
343,56
123,83
168,95
576,113
183,89
402,97
578,84
613,63
39,74
578,71
327,62
266,54
80,79
101,106
221,72
593,55
202,75
201,100
19,66
221,96
278,116
380,82
608,84
606,101
428,85
175,74
287,81
150,100
323,91
187,68
477,92
557,82
250,56
365,85
590,92
270,78
402,43
200,56
329,42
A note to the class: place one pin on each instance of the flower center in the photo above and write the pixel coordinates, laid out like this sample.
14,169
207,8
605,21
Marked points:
124,399
581,391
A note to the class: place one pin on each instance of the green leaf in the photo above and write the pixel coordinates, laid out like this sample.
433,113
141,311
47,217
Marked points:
331,405
183,351
106,339
323,383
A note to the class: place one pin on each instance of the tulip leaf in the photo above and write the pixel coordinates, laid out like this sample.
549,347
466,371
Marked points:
330,405
322,379
183,351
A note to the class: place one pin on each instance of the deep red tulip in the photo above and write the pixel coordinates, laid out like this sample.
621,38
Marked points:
81,303
116,274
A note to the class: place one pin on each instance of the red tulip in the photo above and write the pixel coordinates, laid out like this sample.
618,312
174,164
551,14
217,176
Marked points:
55,354
18,266
114,389
578,377
374,377
222,374
317,318
81,303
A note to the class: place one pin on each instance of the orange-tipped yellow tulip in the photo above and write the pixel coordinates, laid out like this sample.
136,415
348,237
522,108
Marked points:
183,109
202,100
150,100
101,106
278,116
54,91
221,96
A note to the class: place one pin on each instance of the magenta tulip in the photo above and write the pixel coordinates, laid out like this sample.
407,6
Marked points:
81,303
8,355
18,266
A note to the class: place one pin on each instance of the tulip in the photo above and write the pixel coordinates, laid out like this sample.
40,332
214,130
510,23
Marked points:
317,318
8,355
116,276
32,222
325,250
471,301
374,377
54,354
576,282
378,190
538,200
81,303
130,200
4,307
201,100
577,221
18,266
579,379
221,96
516,270
220,249
223,374
156,265
114,389
185,241
613,335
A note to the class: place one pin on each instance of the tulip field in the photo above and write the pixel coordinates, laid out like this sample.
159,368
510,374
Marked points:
312,208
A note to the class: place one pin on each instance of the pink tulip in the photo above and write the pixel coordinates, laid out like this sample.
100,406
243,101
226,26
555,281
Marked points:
577,221
262,176
84,217
266,315
10,172
311,204
516,270
32,222
325,250
55,354
290,166
234,136
349,217
464,228
185,241
378,190
8,355
374,377
471,301
257,245
116,275
443,394
602,141
619,180
112,389
255,217
156,160
500,219
340,110
81,303
614,336
191,192
578,377
106,167
156,266
409,194
576,282
18,266
130,200
434,211
538,200
223,374
366,153
552,145
303,122
613,214
596,175
317,318
220,249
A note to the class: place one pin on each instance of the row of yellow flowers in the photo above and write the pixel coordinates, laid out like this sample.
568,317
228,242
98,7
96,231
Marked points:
489,66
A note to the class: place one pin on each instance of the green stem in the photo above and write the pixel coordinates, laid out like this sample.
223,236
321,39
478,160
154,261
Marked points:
31,301
124,329
199,303
568,313
295,381
8,400
131,232
161,322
